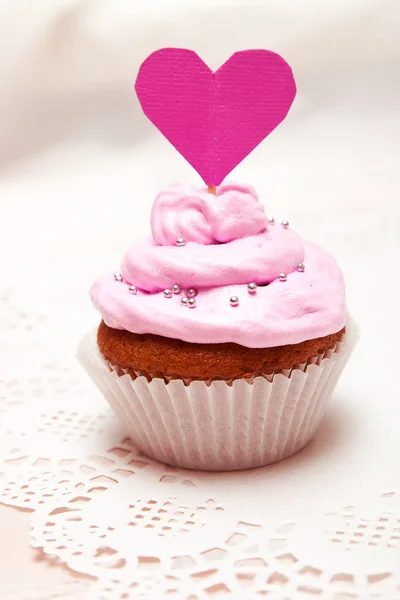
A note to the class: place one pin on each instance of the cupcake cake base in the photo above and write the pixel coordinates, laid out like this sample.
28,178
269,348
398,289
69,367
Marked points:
216,424
177,359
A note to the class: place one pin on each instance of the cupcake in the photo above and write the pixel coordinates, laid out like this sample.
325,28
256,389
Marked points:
222,334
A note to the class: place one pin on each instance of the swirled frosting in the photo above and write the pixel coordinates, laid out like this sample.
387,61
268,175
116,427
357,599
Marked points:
196,216
229,243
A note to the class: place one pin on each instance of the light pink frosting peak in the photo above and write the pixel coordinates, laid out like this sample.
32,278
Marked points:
228,245
182,211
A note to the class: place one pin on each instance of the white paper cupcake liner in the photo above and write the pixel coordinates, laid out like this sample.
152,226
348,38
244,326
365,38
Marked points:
221,425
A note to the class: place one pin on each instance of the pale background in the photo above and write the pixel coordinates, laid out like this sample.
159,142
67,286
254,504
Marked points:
78,159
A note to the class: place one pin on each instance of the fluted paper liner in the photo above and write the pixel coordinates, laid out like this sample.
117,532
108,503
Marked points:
221,425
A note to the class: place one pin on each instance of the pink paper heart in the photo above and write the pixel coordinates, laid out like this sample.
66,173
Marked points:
215,119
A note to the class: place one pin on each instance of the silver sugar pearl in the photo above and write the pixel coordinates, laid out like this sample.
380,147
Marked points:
180,242
132,289
301,267
271,220
167,293
192,293
285,224
252,288
191,302
176,289
184,301
282,277
117,276
234,300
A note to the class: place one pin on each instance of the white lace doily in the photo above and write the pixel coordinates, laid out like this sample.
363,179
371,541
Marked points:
323,524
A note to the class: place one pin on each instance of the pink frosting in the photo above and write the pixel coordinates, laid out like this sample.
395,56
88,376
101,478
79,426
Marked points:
197,216
229,244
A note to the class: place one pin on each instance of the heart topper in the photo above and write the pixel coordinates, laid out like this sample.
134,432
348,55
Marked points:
215,119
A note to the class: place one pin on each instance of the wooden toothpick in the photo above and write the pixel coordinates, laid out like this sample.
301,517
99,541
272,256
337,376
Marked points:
212,189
